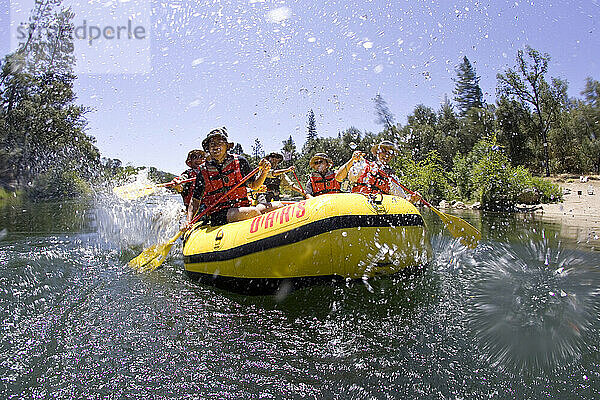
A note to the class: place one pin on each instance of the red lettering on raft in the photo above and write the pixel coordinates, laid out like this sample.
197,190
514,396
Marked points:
300,212
285,213
269,220
280,216
255,224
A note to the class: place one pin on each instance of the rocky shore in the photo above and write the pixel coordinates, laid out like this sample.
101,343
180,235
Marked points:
578,213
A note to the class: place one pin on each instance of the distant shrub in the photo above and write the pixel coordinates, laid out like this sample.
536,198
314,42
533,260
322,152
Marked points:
494,182
549,192
58,185
462,172
486,175
429,178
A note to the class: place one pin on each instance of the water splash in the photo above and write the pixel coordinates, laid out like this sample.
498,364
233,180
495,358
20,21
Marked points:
138,223
532,306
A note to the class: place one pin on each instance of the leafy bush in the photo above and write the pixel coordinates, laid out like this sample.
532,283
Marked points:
549,192
428,177
494,181
58,184
462,173
486,175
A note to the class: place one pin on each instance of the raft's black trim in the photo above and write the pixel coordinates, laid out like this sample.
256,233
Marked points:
270,286
307,231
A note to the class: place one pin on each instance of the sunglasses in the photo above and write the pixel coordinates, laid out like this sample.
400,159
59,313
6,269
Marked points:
216,143
319,162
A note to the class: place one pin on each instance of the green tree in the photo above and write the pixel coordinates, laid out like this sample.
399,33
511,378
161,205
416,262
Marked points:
312,127
590,120
257,150
475,125
527,83
419,134
447,133
42,127
514,130
591,93
237,149
289,151
467,92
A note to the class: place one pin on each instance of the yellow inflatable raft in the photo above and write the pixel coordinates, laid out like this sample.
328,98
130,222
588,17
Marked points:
337,235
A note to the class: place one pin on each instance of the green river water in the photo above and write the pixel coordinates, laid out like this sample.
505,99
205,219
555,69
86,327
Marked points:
515,318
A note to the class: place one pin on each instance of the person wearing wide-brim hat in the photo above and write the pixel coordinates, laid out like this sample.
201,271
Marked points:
384,147
374,177
220,174
322,179
276,180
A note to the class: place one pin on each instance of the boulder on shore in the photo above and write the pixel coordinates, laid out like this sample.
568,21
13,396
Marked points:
528,196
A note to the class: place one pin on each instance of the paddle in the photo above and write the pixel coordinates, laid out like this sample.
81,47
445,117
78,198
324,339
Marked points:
299,184
132,191
459,228
153,256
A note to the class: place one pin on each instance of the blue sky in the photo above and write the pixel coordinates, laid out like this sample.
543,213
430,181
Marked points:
257,67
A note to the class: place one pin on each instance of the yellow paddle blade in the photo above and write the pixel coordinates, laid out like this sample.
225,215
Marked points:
133,191
459,228
153,256
159,259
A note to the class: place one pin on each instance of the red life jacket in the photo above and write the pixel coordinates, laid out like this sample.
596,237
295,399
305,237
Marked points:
187,195
371,180
324,184
217,183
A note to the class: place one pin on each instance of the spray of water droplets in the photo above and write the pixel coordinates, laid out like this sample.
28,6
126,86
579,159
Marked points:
140,222
532,306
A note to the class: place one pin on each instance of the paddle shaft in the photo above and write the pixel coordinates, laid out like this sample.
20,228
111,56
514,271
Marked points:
207,209
421,199
178,183
469,235
298,180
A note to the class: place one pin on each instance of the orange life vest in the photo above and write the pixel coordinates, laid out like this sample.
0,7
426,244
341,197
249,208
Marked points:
371,180
324,184
217,183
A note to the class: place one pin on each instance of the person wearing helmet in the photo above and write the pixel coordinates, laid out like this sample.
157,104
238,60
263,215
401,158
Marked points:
195,158
323,179
221,173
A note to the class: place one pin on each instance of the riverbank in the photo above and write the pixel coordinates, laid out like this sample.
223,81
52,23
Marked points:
581,202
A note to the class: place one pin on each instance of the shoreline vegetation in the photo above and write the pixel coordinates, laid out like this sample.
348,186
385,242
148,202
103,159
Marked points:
467,151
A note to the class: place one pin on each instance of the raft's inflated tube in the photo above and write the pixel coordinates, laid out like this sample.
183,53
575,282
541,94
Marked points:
337,235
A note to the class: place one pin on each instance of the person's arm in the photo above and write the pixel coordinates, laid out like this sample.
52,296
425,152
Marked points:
278,172
265,167
196,196
342,172
192,209
308,188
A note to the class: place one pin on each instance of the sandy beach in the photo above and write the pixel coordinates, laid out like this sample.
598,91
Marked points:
579,213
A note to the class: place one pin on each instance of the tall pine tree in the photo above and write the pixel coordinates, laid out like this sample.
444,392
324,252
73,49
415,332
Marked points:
42,130
467,91
257,150
312,127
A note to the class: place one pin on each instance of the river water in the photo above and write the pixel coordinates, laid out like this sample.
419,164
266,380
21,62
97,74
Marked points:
515,318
